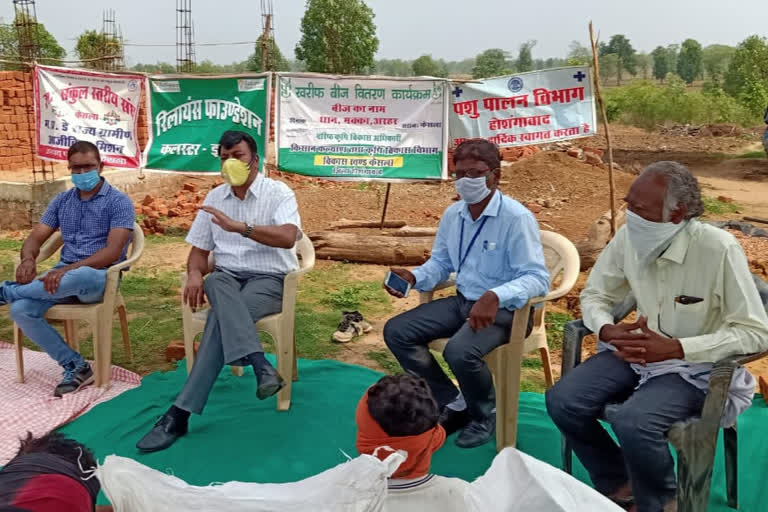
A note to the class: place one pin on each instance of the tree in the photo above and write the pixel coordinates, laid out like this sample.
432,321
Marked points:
660,63
338,36
620,46
609,66
98,45
158,67
275,59
578,54
525,56
747,76
461,67
48,52
644,65
427,66
716,59
689,62
394,67
673,50
491,62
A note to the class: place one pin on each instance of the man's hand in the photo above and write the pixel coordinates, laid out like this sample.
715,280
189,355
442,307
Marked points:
623,331
194,296
405,274
224,222
651,349
26,271
52,279
483,313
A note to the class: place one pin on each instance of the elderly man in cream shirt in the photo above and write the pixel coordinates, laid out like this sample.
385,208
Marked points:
697,304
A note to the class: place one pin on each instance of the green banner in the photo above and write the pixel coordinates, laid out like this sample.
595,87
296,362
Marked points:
188,116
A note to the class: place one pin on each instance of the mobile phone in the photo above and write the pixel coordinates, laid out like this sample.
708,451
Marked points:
397,283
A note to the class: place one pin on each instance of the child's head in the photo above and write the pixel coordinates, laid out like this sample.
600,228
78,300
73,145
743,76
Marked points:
403,405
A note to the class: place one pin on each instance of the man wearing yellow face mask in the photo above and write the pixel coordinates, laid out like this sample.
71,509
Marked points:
251,224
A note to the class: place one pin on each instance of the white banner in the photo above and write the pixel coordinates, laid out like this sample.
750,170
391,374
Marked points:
102,108
362,128
523,109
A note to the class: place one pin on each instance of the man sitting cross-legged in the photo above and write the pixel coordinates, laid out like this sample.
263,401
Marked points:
251,224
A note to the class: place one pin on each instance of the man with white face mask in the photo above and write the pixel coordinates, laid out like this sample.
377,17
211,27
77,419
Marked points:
250,224
696,302
492,242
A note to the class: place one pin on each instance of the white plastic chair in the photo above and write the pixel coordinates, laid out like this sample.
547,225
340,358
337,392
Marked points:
98,315
279,326
562,260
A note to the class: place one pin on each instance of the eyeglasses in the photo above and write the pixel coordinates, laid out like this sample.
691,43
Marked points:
470,173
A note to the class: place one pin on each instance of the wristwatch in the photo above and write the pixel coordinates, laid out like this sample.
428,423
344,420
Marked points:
247,231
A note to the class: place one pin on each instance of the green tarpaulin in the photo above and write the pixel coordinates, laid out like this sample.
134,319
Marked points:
241,438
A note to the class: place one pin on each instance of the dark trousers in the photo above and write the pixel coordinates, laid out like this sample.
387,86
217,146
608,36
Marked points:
408,334
640,424
237,302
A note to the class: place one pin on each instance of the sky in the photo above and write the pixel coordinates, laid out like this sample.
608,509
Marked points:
449,29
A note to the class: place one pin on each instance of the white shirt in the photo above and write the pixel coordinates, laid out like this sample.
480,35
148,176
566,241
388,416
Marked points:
267,203
429,494
704,262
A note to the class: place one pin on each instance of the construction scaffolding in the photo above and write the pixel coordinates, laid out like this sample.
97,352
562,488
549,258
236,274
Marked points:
185,37
113,36
28,36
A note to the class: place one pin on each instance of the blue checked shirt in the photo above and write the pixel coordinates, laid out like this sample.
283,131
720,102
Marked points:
85,225
506,256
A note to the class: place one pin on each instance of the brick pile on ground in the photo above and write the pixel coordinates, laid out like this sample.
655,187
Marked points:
159,214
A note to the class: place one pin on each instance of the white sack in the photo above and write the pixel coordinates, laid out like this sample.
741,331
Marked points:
516,482
359,485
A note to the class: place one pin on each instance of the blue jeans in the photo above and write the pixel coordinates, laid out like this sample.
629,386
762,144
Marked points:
30,302
640,423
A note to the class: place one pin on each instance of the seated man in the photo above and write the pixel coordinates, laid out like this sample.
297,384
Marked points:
399,412
696,304
96,222
50,473
492,242
251,224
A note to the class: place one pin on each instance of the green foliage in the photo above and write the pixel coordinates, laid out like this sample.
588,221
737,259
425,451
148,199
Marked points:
555,323
275,59
648,105
525,57
394,67
578,54
661,62
492,62
386,360
747,76
98,45
427,66
49,52
352,296
609,66
690,61
644,65
338,36
715,206
620,46
158,67
208,66
716,58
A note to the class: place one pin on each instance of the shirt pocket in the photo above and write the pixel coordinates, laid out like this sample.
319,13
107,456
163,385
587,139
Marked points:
492,262
690,319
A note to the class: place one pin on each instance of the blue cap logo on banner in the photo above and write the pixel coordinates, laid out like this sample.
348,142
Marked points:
515,84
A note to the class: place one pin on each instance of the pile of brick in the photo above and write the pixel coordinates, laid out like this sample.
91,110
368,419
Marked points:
16,120
511,154
159,214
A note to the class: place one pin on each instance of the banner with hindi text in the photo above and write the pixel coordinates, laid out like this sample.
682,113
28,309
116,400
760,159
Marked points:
527,108
75,104
188,115
356,128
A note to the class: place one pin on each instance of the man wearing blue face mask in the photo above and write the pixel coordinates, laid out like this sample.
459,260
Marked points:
492,242
96,223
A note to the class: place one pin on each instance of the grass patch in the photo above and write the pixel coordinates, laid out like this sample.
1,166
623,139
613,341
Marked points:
715,206
386,360
753,154
7,244
555,322
533,363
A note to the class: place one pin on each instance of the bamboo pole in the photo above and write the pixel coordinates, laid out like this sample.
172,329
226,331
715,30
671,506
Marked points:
601,103
386,203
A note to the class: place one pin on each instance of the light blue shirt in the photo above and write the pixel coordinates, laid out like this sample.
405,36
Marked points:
506,257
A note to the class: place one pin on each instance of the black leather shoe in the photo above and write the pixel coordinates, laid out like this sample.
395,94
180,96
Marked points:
163,434
270,382
477,433
453,420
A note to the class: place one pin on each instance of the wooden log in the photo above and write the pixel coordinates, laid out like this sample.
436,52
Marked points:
376,249
756,219
350,224
599,236
415,231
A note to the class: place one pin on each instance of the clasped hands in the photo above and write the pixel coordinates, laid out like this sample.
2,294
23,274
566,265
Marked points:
645,346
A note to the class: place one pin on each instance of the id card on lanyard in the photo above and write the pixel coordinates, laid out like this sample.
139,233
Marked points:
462,259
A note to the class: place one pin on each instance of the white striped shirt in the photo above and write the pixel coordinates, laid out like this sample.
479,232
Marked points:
267,203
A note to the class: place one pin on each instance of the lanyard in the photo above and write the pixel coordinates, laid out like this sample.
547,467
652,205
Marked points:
471,242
